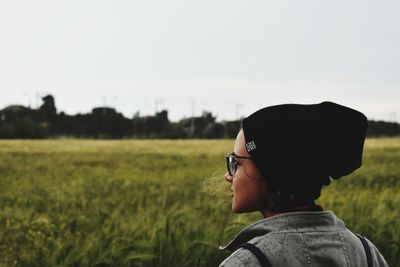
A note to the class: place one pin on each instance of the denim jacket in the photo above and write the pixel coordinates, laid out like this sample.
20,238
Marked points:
301,239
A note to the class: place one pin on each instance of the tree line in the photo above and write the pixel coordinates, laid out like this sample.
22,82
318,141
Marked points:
18,121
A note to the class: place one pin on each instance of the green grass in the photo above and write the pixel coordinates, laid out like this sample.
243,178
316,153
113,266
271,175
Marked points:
148,203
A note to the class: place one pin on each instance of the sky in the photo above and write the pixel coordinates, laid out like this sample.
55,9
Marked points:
227,57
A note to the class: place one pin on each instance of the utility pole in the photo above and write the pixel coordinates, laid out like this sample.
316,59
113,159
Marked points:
393,116
37,100
113,100
157,101
237,107
104,104
192,125
27,98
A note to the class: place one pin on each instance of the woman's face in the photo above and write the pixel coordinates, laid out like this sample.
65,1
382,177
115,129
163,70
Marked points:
249,189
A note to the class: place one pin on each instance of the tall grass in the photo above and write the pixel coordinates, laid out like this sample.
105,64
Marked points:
147,203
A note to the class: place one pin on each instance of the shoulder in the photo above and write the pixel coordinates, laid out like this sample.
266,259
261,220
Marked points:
269,245
377,258
240,258
356,252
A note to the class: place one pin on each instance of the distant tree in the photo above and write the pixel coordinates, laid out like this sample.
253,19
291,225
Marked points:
7,130
151,126
20,122
48,106
26,127
162,122
47,114
17,121
11,113
195,126
137,125
108,123
174,131
382,128
214,130
231,128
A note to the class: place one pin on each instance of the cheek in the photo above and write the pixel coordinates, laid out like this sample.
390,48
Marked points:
238,190
238,185
242,192
248,195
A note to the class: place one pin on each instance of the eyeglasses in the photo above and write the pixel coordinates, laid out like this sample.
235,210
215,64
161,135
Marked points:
231,162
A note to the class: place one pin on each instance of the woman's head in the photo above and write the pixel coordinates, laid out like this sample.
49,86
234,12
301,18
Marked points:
249,188
297,148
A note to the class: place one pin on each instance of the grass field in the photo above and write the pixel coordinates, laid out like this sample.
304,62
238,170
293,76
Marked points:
156,203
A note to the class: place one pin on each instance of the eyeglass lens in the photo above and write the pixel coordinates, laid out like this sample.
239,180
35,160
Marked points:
231,164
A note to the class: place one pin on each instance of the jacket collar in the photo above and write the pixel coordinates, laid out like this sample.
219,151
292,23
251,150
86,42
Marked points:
287,222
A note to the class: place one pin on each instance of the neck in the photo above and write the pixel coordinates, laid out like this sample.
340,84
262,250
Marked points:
311,207
268,213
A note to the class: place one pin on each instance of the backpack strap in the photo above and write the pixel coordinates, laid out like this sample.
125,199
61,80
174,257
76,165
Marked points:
366,248
257,252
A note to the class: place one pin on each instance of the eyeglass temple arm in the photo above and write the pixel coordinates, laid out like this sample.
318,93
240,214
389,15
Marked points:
239,157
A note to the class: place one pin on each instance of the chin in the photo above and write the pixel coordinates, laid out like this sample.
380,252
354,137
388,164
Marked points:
244,206
238,209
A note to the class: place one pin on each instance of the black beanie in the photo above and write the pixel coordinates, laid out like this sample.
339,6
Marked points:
298,147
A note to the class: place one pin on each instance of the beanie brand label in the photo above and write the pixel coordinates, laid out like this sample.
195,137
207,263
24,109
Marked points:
250,146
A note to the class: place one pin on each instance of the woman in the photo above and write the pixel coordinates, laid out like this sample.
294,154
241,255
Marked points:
282,157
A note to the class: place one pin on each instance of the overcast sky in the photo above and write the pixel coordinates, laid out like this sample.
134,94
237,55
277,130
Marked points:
228,57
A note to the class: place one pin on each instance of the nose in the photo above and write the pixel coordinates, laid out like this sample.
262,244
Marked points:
228,178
